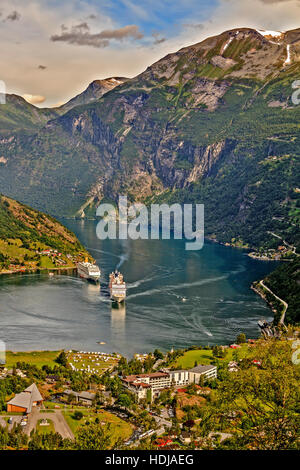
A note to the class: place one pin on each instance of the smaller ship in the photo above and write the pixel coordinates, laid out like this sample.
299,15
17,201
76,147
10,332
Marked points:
88,271
117,287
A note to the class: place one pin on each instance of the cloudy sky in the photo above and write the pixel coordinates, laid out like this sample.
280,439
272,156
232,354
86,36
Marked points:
52,49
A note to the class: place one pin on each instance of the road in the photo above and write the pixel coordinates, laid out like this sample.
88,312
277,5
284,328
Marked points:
280,300
293,248
60,424
15,418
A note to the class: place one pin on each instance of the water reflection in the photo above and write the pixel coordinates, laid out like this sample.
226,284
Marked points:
118,324
91,291
118,318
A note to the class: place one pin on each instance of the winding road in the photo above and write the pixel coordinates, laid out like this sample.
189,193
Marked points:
280,300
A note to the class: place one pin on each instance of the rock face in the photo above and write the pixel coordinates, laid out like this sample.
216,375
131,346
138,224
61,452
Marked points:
94,91
202,124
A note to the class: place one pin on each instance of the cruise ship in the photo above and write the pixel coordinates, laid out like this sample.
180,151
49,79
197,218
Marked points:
117,287
88,271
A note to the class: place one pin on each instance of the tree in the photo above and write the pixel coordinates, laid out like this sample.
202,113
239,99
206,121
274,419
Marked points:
202,380
218,351
241,338
94,437
158,354
258,406
124,400
71,398
62,359
78,415
192,388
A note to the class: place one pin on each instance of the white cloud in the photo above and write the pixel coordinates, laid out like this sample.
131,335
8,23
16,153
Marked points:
34,99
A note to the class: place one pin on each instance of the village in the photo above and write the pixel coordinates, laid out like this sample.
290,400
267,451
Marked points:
155,399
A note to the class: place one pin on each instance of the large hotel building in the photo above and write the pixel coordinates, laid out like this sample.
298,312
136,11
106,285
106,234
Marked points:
157,381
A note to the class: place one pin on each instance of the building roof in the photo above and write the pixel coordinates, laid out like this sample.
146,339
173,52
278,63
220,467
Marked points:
25,399
154,375
179,370
36,396
140,384
84,395
201,368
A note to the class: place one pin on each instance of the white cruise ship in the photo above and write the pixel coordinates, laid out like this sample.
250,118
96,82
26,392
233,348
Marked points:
89,271
117,287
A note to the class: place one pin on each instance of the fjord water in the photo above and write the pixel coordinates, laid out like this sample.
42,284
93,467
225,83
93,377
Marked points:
175,298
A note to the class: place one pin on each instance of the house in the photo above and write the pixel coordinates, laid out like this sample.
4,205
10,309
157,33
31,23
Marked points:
24,401
86,398
233,366
51,379
185,438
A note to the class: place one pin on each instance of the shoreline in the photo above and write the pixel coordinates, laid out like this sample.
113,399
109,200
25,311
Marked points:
37,271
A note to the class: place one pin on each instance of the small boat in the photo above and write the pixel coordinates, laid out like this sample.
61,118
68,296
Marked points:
184,299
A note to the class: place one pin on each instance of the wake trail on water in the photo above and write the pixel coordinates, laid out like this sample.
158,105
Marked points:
103,252
137,283
195,325
123,258
178,286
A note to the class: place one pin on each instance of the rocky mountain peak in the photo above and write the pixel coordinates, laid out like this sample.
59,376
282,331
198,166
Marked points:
95,91
240,52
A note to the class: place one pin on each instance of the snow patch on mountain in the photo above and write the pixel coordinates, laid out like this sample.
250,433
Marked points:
288,58
274,34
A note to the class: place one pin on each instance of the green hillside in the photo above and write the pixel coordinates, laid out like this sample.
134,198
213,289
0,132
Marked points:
31,240
17,114
285,283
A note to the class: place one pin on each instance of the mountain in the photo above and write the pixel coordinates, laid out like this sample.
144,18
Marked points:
32,240
17,114
213,123
93,92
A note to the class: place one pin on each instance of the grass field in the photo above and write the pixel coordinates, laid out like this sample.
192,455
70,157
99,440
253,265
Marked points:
45,429
90,361
203,356
120,428
38,358
50,405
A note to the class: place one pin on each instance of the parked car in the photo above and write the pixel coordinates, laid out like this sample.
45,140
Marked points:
10,420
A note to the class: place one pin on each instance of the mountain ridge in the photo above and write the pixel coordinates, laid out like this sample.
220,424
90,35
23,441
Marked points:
211,123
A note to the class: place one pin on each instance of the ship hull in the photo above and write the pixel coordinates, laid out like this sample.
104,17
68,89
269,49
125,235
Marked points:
89,278
116,299
85,273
